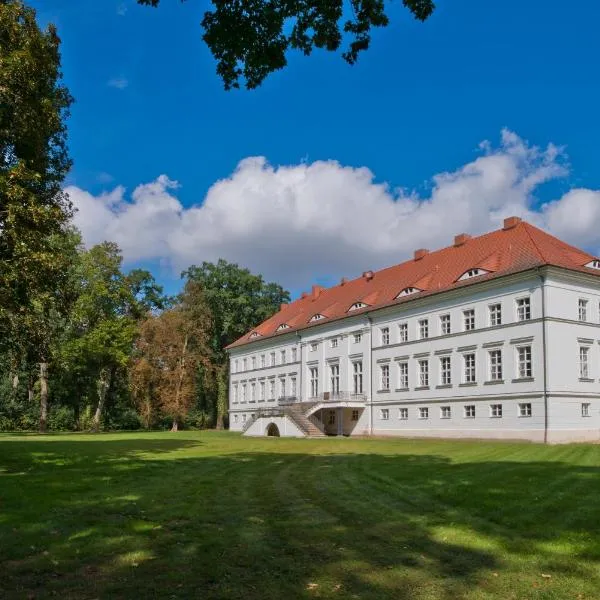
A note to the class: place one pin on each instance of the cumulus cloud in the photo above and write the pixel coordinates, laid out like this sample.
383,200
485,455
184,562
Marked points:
301,222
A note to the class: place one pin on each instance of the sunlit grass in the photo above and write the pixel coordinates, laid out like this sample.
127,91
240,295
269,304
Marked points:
215,515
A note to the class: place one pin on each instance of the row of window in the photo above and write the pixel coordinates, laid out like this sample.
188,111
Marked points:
334,379
270,360
524,369
469,412
469,323
334,342
250,392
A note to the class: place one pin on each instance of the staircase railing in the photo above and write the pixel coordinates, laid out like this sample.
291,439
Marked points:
339,397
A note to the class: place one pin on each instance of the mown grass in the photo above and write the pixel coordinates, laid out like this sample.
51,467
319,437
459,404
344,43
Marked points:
215,515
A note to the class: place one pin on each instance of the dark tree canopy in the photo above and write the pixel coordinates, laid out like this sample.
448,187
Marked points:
250,38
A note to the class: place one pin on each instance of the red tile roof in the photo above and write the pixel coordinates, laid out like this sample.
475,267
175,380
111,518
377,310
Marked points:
518,246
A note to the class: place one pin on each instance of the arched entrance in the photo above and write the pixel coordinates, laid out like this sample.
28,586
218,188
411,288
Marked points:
272,430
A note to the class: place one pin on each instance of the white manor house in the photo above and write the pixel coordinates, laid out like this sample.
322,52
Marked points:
496,336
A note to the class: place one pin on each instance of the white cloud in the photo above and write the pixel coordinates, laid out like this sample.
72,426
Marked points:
119,83
297,223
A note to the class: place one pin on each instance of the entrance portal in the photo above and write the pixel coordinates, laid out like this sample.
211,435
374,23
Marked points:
272,430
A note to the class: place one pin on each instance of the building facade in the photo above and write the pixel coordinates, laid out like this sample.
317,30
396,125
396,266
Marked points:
493,337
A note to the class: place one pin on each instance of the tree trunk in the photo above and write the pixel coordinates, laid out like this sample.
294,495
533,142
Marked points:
43,397
30,391
176,409
221,397
175,426
102,386
15,383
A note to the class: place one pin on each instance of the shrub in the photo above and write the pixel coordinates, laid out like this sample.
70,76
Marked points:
61,418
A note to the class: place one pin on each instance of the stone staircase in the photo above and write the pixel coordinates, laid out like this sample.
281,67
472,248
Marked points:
296,412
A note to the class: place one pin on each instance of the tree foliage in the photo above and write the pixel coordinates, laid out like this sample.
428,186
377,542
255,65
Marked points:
250,38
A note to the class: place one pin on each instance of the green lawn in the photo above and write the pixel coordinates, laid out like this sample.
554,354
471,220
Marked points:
215,515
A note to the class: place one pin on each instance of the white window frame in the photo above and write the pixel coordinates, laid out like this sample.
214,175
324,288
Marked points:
384,414
445,370
523,308
282,387
495,411
384,380
263,361
423,412
334,342
423,372
585,409
469,367
355,414
272,389
294,354
313,346
496,365
445,412
403,332
253,362
469,319
403,375
403,414
445,324
334,379
495,314
314,381
262,388
357,376
584,362
524,364
423,329
582,305
525,409
244,393
357,338
293,387
273,359
235,393
470,411
385,336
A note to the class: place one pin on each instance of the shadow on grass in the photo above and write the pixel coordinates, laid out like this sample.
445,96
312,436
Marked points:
165,518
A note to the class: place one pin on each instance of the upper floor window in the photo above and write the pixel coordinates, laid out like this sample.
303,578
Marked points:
594,264
445,325
472,273
263,362
469,368
272,359
254,334
316,317
445,370
261,391
582,309
423,329
283,357
469,319
408,291
424,373
403,375
385,377
357,338
283,326
334,379
403,332
358,305
254,362
495,314
357,376
584,365
523,309
235,394
271,389
495,365
314,346
524,362
333,342
294,354
245,364
314,381
235,366
385,336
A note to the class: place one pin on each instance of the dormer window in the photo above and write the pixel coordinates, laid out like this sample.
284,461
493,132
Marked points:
282,327
254,334
316,317
472,273
357,306
408,291
594,264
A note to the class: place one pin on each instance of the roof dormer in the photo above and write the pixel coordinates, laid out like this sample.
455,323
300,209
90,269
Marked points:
282,327
358,306
593,264
477,272
409,291
254,334
316,317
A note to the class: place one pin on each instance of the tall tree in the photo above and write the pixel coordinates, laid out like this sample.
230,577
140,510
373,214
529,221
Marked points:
250,38
238,300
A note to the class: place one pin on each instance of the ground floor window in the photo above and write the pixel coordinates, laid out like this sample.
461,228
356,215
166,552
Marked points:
244,417
470,411
355,414
446,412
423,413
403,414
385,414
496,410
525,409
585,409
235,418
331,418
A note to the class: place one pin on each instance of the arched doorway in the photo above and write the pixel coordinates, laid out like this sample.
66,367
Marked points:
272,430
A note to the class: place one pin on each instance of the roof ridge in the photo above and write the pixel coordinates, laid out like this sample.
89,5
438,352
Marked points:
526,226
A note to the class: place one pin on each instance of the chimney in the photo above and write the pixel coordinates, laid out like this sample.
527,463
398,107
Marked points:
303,295
316,291
420,253
368,275
511,222
461,239
344,281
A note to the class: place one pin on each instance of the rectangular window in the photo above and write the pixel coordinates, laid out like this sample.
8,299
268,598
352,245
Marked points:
585,409
254,362
525,409
423,412
524,363
244,417
495,365
245,364
495,315
403,375
355,414
403,414
470,411
235,394
261,391
523,309
263,362
357,376
445,325
282,387
385,377
469,368
244,392
294,354
584,366
293,388
385,414
496,410
469,319
385,336
272,359
583,309
314,381
403,332
334,379
445,370
313,347
334,343
424,373
235,367
271,389
253,392
446,412
331,418
423,329
282,354
235,418
357,338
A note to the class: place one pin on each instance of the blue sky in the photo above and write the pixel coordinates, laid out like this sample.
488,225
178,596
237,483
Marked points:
418,104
